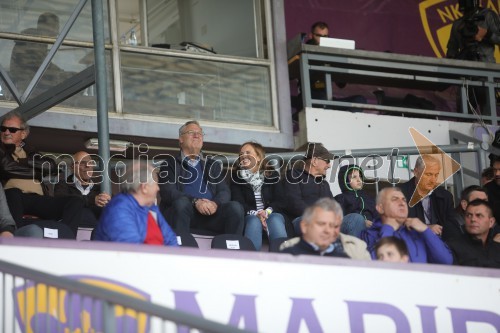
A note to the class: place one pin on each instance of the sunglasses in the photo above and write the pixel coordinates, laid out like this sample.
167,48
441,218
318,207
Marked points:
319,35
10,129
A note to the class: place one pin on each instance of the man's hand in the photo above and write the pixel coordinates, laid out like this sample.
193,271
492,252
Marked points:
481,32
9,234
437,229
415,224
102,199
497,238
206,207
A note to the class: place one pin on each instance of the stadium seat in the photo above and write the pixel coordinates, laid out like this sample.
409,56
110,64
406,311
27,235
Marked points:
232,242
186,240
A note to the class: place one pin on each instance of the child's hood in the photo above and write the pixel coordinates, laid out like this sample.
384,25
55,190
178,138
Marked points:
344,171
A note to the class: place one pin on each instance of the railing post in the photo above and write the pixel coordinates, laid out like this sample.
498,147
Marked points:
108,317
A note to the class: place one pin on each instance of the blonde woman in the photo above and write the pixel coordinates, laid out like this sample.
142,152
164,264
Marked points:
259,192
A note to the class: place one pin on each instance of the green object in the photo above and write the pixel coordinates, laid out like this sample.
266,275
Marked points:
402,162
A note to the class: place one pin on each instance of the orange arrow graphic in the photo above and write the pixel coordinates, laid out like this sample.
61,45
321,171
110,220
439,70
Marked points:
432,156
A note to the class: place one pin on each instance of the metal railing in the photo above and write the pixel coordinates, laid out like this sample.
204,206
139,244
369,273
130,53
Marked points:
33,301
380,69
373,159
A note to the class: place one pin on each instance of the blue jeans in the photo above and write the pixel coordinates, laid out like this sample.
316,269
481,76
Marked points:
353,224
253,228
30,230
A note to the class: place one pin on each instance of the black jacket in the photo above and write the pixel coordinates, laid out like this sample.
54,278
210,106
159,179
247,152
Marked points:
442,208
302,190
471,252
271,192
68,188
34,166
174,174
302,247
353,201
494,199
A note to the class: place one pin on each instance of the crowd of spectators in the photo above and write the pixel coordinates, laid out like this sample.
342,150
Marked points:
415,222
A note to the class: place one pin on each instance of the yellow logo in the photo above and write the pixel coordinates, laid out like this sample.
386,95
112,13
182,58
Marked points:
437,17
45,309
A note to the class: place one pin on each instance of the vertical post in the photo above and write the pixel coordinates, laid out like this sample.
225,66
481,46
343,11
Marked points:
101,90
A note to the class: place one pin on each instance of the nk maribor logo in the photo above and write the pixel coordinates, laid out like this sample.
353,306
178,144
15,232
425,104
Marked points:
437,17
39,309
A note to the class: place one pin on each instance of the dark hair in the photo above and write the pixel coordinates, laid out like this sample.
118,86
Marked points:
481,202
391,240
488,173
319,24
465,195
493,159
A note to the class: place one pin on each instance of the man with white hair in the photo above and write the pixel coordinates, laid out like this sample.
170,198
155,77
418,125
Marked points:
133,216
423,245
429,202
320,226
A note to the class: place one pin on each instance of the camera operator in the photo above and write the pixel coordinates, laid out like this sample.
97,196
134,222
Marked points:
474,35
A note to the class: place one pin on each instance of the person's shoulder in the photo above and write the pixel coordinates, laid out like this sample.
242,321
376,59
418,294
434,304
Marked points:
442,192
492,186
344,238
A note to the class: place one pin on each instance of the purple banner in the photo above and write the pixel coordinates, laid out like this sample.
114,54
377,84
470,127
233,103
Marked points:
416,27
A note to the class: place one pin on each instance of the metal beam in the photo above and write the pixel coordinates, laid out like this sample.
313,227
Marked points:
53,50
57,94
101,90
10,85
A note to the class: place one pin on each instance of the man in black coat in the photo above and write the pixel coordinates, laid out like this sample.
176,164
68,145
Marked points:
304,186
320,227
493,188
431,204
81,184
479,246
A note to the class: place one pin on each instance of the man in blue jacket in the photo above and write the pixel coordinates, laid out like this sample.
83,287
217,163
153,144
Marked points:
194,193
424,246
132,216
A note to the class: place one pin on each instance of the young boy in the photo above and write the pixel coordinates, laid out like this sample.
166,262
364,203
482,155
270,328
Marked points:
391,249
359,209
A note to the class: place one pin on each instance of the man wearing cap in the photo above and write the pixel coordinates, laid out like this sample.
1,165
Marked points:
306,184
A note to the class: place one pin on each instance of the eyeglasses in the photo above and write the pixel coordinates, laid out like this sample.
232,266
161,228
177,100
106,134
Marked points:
320,35
193,133
10,129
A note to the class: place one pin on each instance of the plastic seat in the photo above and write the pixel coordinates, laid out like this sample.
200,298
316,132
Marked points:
232,242
185,239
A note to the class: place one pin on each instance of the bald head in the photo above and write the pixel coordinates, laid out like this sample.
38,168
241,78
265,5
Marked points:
83,166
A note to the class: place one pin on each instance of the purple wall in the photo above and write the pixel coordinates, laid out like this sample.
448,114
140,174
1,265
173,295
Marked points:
416,27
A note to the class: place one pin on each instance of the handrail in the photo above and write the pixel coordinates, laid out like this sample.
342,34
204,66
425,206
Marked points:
392,70
114,298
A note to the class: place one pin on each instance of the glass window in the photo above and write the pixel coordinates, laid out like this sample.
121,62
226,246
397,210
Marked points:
22,58
227,27
192,88
37,18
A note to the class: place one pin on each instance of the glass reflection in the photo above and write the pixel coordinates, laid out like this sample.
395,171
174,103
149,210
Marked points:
201,89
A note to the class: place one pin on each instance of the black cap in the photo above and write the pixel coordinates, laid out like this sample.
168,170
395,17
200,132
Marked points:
315,149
